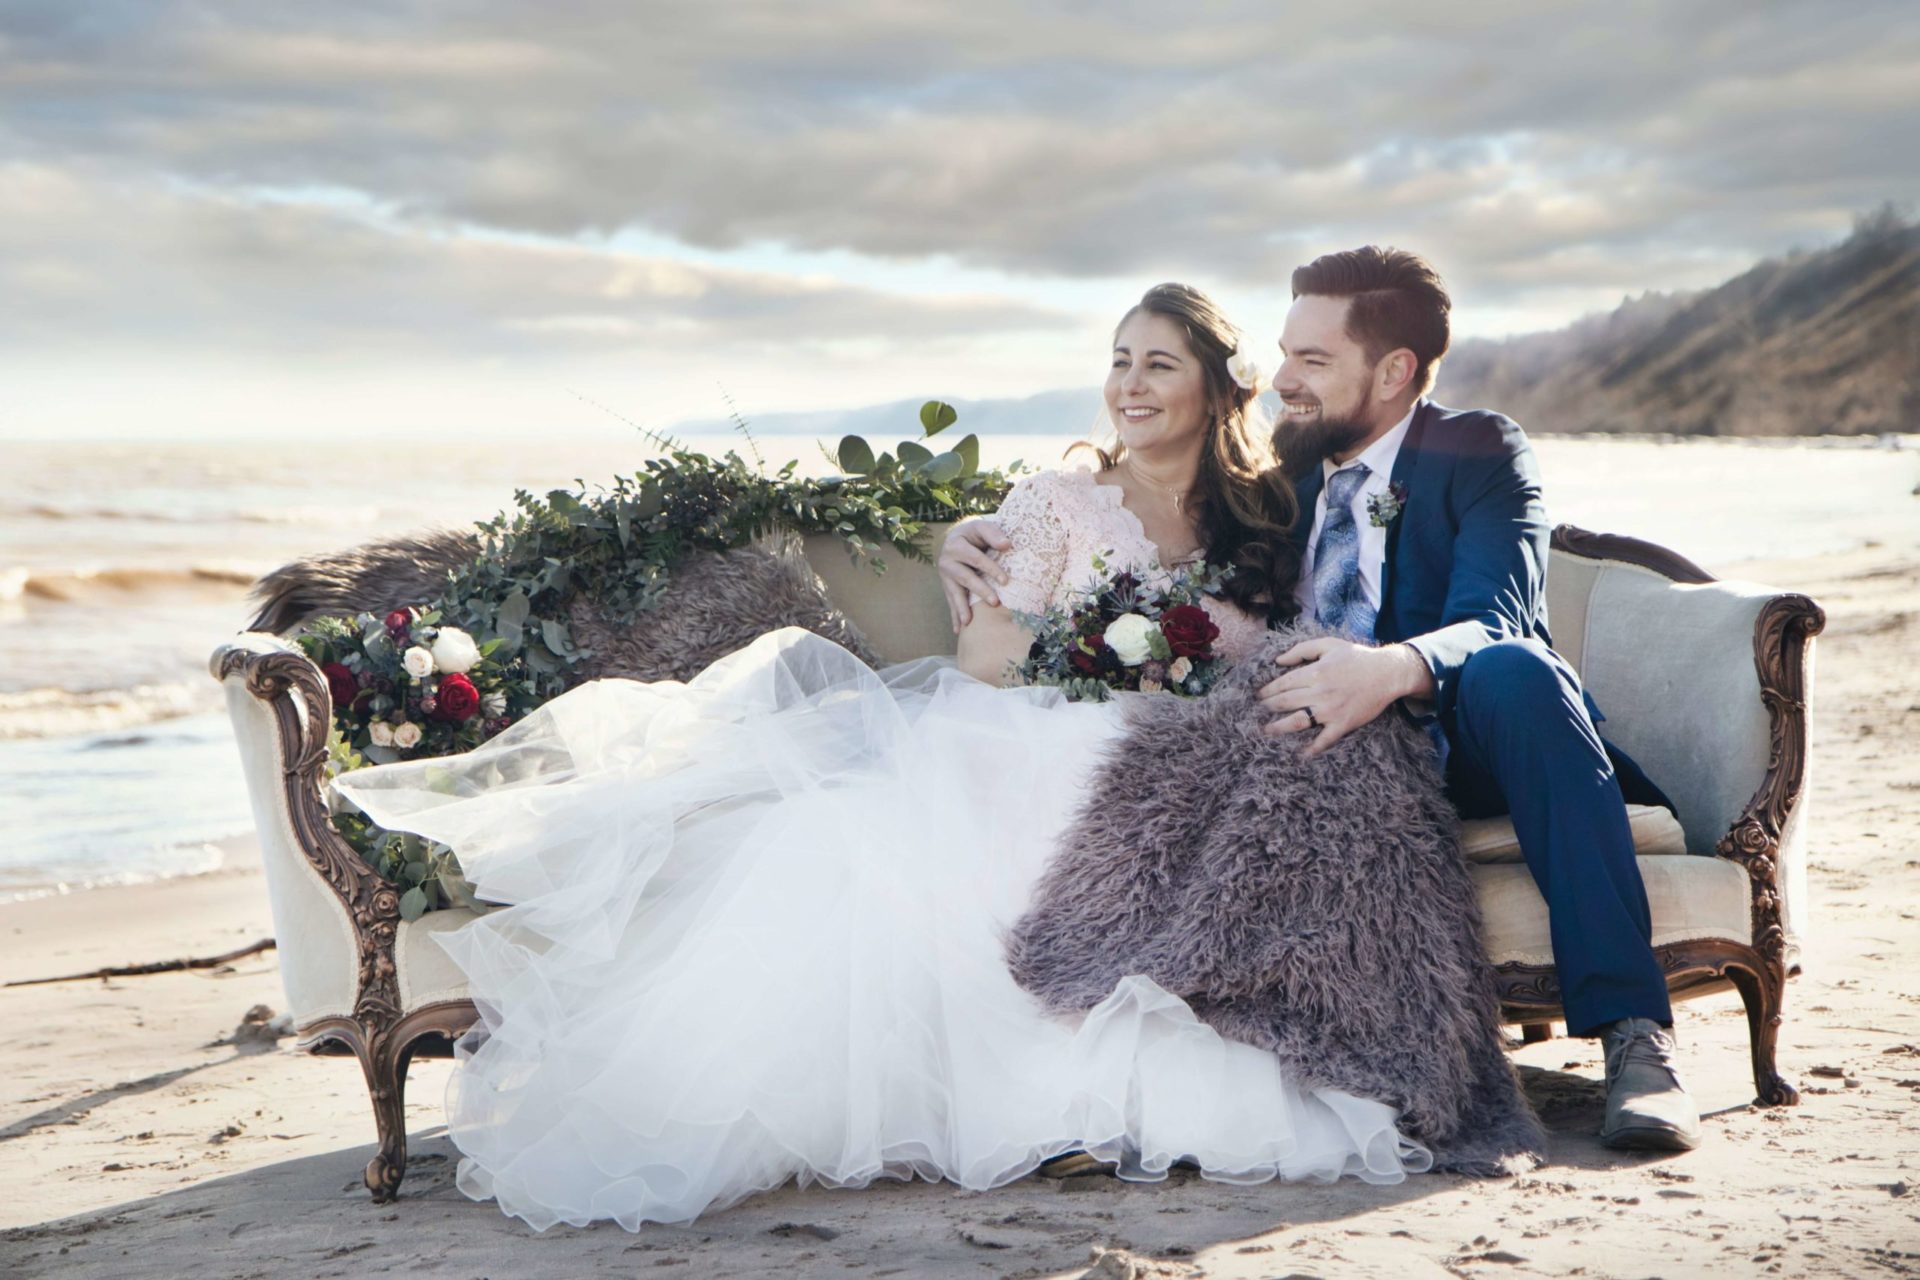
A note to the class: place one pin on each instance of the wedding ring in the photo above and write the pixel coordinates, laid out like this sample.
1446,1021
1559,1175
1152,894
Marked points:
1311,722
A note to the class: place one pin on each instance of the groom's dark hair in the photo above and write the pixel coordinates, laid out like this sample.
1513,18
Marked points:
1399,301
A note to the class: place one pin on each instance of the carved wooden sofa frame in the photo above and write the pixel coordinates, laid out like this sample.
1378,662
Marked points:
1770,826
357,974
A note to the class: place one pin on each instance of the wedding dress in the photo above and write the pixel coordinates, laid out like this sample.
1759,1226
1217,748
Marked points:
757,928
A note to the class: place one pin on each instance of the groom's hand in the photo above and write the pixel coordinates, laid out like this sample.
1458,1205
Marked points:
1343,685
967,567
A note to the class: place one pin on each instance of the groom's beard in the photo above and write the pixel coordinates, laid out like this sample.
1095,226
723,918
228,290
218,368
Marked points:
1302,446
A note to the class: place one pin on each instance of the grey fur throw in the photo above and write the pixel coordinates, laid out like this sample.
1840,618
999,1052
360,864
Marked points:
716,602
1318,908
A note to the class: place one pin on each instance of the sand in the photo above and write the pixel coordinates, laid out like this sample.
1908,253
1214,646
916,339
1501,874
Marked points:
134,1141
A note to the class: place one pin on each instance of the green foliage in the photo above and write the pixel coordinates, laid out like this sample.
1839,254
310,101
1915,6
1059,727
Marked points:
619,546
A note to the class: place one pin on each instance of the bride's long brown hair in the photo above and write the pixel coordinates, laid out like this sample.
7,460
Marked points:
1244,508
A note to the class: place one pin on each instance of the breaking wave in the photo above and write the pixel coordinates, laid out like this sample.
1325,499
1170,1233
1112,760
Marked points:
60,713
67,586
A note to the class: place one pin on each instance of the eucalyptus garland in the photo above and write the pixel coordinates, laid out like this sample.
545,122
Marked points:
619,545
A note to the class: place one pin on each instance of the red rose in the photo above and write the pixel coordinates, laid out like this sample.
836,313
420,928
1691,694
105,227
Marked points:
399,620
458,699
341,684
1189,631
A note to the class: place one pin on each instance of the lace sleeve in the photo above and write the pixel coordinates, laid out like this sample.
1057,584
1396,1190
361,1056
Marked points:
1034,521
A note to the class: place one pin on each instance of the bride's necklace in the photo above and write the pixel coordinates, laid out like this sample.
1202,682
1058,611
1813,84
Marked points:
1179,496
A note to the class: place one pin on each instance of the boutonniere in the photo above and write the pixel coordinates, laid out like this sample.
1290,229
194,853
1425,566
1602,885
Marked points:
1384,508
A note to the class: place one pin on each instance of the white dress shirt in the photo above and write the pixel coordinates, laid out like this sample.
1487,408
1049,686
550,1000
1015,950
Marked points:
1379,458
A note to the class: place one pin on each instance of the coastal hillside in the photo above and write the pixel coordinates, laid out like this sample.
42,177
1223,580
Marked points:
1824,342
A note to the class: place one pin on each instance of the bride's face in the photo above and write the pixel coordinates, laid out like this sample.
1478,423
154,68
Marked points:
1156,394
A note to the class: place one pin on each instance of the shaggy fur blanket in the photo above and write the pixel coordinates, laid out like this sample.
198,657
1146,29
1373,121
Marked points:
715,603
1317,908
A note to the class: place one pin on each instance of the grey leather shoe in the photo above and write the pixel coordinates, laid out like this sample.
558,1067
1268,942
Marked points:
1648,1108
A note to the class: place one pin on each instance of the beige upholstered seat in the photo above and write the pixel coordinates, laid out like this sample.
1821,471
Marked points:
1655,832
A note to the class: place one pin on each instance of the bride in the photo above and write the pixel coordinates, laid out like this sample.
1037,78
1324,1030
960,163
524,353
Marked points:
757,920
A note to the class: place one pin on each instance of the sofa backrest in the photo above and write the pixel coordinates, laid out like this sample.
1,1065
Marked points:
902,612
1670,664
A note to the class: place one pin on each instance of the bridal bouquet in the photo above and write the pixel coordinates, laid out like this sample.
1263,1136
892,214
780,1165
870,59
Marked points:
1121,635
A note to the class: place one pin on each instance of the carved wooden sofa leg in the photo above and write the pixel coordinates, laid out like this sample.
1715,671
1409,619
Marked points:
385,1053
1764,994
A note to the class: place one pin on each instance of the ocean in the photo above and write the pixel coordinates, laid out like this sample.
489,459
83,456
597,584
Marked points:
123,565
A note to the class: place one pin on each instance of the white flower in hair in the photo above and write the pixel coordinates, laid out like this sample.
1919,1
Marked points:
1244,371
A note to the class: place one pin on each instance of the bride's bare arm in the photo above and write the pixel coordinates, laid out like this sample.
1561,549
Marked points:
991,642
968,568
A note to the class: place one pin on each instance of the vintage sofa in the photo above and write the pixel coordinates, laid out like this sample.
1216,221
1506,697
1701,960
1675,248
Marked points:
1704,682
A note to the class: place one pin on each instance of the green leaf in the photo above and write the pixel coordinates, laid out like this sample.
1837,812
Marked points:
507,624
944,468
554,632
937,415
969,451
913,456
856,456
413,904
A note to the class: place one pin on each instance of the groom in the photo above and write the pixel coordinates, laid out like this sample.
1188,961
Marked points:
1424,539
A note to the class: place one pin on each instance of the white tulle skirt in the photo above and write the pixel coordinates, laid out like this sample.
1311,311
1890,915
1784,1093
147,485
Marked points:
756,936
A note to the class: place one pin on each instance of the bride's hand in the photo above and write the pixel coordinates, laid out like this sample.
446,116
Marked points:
967,567
1337,686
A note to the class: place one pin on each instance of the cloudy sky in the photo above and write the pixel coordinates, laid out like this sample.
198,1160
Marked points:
224,216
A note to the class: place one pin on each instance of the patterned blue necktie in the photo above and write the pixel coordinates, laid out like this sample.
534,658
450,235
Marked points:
1339,599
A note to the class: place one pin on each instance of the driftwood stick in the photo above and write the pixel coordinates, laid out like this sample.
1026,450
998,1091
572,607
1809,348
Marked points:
159,966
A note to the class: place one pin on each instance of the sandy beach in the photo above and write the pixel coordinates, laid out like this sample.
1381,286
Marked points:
136,1140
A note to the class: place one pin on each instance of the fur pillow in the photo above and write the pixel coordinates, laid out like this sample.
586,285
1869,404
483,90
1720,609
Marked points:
715,603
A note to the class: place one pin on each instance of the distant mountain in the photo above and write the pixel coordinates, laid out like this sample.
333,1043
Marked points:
1816,342
1051,413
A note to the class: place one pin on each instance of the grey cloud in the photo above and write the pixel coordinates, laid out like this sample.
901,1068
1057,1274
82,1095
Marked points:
86,258
1505,139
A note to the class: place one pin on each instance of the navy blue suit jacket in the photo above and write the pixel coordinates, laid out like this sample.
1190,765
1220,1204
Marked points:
1467,555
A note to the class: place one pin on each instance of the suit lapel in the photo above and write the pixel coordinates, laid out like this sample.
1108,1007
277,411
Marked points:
1404,464
1306,491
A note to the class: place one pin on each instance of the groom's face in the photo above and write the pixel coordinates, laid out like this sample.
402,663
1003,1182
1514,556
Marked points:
1325,383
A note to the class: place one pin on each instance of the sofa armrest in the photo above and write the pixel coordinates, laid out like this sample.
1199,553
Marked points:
335,917
1705,684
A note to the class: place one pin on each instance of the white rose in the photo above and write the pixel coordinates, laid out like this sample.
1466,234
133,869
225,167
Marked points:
418,662
406,734
1245,372
381,732
454,651
493,705
1127,636
1181,669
